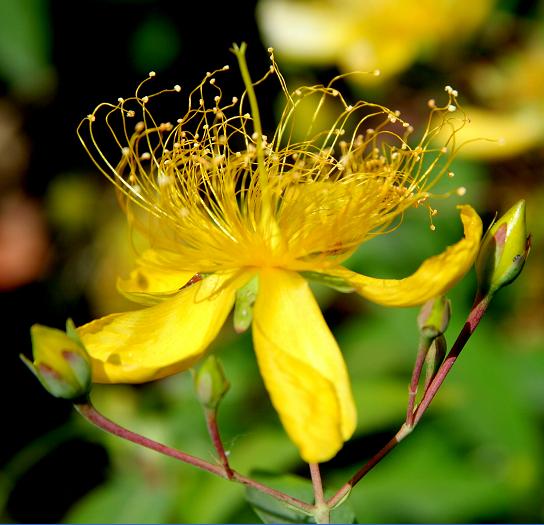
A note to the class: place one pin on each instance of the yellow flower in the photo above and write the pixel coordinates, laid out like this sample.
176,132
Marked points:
388,35
221,205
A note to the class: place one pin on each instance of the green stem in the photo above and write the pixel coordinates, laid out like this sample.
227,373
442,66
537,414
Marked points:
321,508
240,53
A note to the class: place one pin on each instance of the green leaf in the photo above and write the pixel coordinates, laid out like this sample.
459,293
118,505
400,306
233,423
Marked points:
271,510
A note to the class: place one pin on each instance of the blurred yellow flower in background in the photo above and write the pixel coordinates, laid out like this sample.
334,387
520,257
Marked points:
508,101
224,207
355,35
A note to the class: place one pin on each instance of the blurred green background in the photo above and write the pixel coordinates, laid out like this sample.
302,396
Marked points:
477,455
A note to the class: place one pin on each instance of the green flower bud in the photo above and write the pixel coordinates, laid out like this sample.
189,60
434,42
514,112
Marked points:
61,362
434,358
210,383
243,307
504,250
434,317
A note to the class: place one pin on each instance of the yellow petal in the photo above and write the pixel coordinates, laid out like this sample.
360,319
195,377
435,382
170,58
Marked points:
313,32
492,134
302,366
154,279
434,277
154,342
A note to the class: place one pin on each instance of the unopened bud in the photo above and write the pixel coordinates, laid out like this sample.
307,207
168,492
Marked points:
61,362
210,383
243,307
503,251
434,317
434,358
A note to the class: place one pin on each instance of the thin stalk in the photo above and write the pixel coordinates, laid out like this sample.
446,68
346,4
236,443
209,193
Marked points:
240,53
344,491
322,510
89,412
424,345
213,430
477,312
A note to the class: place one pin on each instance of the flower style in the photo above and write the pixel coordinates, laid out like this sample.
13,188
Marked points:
226,210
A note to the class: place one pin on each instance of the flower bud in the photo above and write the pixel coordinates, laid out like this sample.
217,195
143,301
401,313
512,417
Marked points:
434,317
243,307
61,362
434,358
504,250
210,383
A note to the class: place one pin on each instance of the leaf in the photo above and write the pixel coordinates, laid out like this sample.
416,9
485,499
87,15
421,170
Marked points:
271,510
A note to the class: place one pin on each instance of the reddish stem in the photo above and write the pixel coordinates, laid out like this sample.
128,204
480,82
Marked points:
213,430
88,411
416,374
474,318
478,310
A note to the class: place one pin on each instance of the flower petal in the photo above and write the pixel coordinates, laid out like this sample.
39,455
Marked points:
302,366
153,279
314,32
154,342
434,277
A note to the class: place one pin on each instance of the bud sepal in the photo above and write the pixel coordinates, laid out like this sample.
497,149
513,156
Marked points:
504,251
61,362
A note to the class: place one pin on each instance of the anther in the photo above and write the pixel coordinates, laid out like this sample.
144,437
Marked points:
461,191
451,174
431,103
120,100
376,72
145,99
212,80
452,108
177,88
92,118
130,113
125,150
145,156
270,49
234,100
152,73
226,68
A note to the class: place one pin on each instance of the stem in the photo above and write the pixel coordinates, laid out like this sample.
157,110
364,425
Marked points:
369,465
213,430
240,53
322,510
478,310
295,502
89,412
424,346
